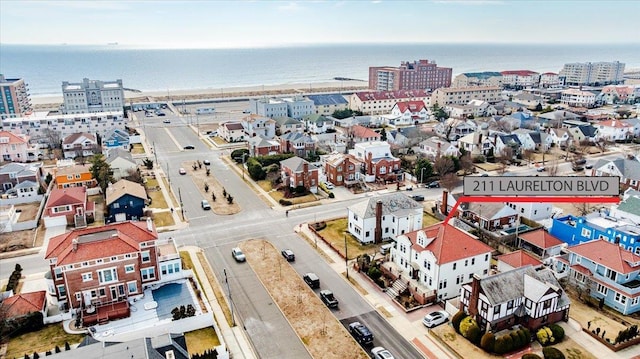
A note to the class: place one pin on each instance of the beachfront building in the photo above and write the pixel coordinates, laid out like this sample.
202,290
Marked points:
462,95
550,80
91,96
45,128
470,79
380,103
578,98
592,73
383,218
417,75
327,104
520,79
296,107
16,148
14,98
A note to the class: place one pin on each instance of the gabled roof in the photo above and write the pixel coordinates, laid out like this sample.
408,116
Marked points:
588,130
72,138
233,126
297,137
100,242
503,287
506,139
519,73
448,243
25,184
614,124
607,254
20,169
22,304
316,118
489,210
329,99
558,115
411,106
13,139
116,153
628,168
283,121
519,259
296,164
142,348
65,196
70,170
364,132
397,204
630,205
541,238
259,141
117,134
116,190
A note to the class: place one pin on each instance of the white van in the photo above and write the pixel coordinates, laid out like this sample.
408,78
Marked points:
386,248
205,110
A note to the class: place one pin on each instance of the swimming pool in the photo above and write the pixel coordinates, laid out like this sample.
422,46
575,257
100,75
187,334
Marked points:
522,228
170,296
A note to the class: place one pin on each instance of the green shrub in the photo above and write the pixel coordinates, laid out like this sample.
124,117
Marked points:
487,342
527,334
474,334
552,353
545,336
515,338
236,155
524,338
285,202
508,343
465,324
558,332
530,356
255,170
456,319
374,273
271,159
498,346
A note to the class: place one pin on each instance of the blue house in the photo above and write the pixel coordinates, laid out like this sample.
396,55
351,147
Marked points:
116,138
126,201
576,230
608,272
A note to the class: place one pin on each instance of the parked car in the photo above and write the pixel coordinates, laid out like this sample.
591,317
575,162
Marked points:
381,353
160,114
206,162
361,333
182,171
541,169
312,280
577,168
329,185
189,147
434,319
166,121
434,184
580,161
328,299
418,197
288,255
238,255
409,188
589,166
484,175
205,205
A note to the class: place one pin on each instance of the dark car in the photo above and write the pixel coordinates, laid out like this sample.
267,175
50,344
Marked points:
288,255
189,147
328,299
206,162
361,333
589,166
434,184
580,161
312,280
418,197
577,168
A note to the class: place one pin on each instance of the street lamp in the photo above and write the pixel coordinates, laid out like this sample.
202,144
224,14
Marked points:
346,257
233,319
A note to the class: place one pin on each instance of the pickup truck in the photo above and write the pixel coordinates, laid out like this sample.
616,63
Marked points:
328,299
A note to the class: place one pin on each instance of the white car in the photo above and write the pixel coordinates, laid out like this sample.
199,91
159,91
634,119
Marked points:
381,353
434,319
238,255
182,171
329,185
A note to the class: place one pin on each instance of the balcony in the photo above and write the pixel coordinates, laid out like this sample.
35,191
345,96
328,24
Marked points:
167,250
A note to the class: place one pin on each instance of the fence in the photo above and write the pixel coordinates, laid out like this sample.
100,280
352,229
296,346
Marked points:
21,200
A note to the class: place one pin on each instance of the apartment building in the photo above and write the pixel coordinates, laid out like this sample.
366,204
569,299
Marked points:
520,79
417,75
470,79
91,96
45,128
578,98
379,103
295,107
462,95
14,98
593,73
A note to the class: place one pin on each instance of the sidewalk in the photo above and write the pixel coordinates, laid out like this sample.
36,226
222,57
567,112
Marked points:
234,338
411,331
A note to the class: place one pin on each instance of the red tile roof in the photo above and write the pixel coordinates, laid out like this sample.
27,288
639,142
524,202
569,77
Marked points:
64,196
364,132
607,254
541,239
13,138
99,242
449,243
519,259
412,106
519,73
23,304
614,123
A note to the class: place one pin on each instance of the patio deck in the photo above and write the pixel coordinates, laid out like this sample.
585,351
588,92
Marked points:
105,313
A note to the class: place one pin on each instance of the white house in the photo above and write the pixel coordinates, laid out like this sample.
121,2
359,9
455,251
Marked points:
533,140
560,137
533,211
635,124
316,123
409,113
614,130
627,170
231,131
383,218
79,145
121,163
435,147
578,98
256,125
26,189
441,257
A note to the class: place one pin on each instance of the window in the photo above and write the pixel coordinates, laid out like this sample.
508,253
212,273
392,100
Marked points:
145,257
473,261
546,304
148,273
466,262
602,289
115,205
611,274
496,309
510,304
129,268
454,266
621,298
87,277
62,290
132,287
586,233
107,275
58,272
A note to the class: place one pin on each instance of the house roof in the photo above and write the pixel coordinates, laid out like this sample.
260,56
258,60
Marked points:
76,136
482,75
614,124
510,138
630,205
116,153
411,106
25,184
519,73
296,164
558,115
489,210
389,95
628,168
123,187
316,118
541,238
233,126
608,254
394,203
13,138
22,304
20,169
297,137
70,170
588,130
65,196
329,99
283,121
141,348
448,243
116,134
513,284
519,259
100,242
259,141
364,132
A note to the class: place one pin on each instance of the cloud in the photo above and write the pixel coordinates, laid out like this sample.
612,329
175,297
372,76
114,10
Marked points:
291,6
88,5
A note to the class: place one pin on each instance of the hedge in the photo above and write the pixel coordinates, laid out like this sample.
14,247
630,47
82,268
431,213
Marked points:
531,356
487,342
558,332
552,353
466,324
456,319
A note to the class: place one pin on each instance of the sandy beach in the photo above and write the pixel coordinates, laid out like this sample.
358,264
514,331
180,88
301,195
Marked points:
216,93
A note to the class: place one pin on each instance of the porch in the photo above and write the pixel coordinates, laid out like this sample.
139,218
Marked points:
100,314
405,289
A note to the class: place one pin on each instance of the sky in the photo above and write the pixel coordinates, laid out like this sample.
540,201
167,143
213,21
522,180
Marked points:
248,24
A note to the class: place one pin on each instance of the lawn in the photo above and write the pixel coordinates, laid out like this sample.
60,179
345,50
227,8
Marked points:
151,183
157,199
220,296
198,341
173,198
335,234
137,149
163,219
219,140
428,220
265,185
44,339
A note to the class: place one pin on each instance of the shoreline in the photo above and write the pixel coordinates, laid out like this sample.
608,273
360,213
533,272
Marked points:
211,93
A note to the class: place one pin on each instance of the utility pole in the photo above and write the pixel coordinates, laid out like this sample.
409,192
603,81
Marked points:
168,175
346,257
181,206
155,151
226,280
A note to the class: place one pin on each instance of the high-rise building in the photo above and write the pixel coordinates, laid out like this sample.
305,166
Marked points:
90,96
417,75
14,99
593,73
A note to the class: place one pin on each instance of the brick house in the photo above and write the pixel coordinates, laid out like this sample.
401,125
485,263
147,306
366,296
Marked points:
489,216
300,144
21,305
378,162
298,172
94,271
526,296
341,169
12,174
260,146
68,206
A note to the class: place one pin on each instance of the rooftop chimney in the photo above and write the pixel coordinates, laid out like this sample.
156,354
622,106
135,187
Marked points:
74,244
378,231
475,295
149,225
444,205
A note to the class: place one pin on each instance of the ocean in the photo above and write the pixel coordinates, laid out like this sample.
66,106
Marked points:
44,68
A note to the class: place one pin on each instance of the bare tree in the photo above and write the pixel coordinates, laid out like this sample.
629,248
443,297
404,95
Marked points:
582,208
443,165
504,158
602,144
53,137
552,168
504,126
528,155
449,181
466,163
134,175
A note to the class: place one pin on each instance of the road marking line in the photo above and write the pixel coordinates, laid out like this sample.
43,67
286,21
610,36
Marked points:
173,138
